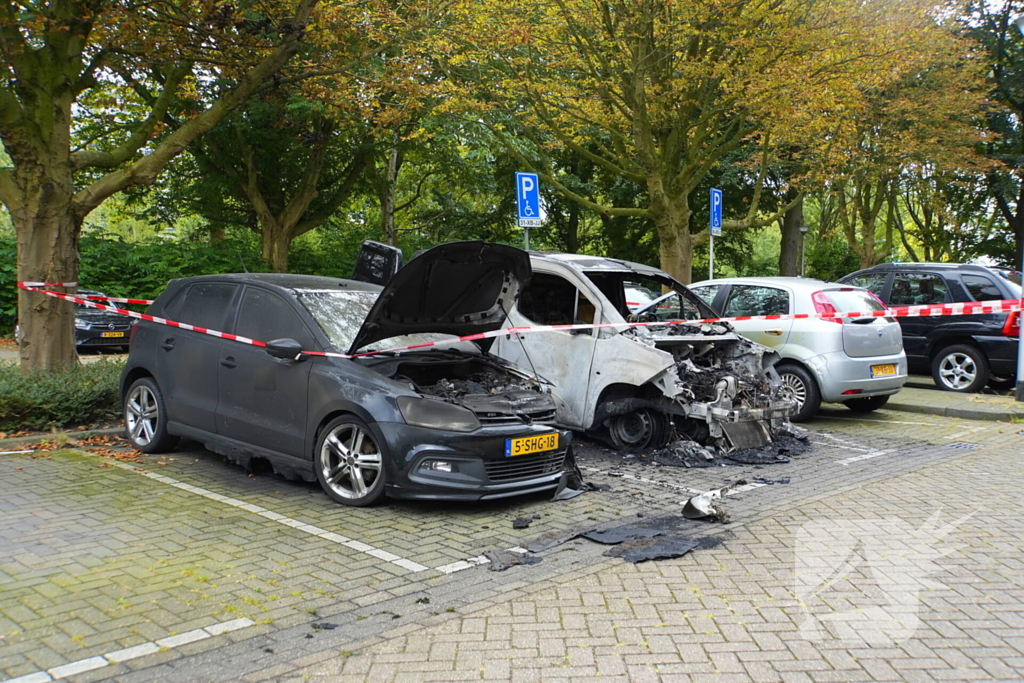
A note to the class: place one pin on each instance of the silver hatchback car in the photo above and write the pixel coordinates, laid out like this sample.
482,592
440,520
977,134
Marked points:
858,362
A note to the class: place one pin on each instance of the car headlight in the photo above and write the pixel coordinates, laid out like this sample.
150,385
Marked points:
82,325
421,412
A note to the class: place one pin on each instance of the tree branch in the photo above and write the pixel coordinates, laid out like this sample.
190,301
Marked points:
97,159
10,195
145,170
551,180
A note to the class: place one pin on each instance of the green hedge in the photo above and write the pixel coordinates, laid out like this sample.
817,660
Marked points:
142,269
83,395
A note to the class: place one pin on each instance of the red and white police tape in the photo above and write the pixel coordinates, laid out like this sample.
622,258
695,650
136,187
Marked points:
963,308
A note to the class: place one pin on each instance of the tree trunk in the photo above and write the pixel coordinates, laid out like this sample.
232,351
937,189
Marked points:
386,190
275,247
572,231
47,231
792,239
671,219
676,250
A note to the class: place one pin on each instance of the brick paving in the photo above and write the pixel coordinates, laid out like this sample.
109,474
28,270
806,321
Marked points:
736,613
95,559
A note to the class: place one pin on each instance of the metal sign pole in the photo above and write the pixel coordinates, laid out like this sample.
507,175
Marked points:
711,258
526,239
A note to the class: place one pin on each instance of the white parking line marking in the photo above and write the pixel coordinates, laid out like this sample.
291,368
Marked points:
849,445
971,430
865,456
117,656
358,546
477,561
643,480
15,452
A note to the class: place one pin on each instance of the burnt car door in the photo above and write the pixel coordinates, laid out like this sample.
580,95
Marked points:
262,398
187,360
563,357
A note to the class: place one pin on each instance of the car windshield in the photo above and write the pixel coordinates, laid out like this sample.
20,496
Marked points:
340,314
620,287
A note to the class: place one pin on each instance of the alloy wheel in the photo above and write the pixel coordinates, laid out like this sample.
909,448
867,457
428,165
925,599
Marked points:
350,461
141,415
793,387
958,371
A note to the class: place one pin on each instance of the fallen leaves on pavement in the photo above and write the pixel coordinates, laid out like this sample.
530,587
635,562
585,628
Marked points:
113,446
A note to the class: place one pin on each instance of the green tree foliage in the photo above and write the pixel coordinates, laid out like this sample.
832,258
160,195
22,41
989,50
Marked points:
86,88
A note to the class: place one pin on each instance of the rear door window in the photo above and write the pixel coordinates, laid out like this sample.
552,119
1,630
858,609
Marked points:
981,288
756,300
917,289
206,305
872,281
265,316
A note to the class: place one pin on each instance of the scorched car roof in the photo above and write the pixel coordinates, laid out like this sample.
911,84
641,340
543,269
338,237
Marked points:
289,281
583,263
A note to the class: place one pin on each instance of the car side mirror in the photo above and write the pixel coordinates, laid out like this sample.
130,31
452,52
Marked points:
285,349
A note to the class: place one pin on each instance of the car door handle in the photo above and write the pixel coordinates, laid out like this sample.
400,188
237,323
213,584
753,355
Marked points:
228,362
774,333
168,343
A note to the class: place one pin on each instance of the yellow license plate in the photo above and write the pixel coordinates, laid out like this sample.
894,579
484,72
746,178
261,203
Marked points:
113,334
530,444
883,370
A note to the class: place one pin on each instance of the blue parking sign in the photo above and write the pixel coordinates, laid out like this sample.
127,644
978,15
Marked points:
528,200
716,212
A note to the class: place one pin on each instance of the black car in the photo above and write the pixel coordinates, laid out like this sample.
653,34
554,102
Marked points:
963,352
96,329
448,422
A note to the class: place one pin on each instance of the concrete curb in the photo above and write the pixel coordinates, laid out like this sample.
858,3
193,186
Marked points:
14,442
997,415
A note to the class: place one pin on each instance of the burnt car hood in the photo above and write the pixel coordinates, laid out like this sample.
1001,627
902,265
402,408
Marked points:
460,288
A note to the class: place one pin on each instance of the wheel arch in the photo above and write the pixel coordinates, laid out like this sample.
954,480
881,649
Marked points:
131,376
945,341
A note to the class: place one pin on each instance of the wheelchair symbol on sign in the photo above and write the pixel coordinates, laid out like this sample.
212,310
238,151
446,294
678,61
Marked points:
528,210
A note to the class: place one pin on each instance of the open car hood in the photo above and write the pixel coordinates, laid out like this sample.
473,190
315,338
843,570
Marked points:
460,288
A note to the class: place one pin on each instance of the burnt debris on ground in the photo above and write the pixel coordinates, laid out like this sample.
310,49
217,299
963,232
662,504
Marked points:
787,441
650,539
500,560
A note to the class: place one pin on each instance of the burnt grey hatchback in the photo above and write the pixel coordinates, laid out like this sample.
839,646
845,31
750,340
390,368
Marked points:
448,422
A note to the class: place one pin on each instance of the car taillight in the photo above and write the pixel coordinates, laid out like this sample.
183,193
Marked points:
824,307
1012,326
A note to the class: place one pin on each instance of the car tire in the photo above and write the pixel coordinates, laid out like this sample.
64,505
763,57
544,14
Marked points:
802,386
1002,383
960,367
145,417
638,429
867,404
346,452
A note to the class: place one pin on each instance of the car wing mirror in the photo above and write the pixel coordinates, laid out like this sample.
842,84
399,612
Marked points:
285,349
